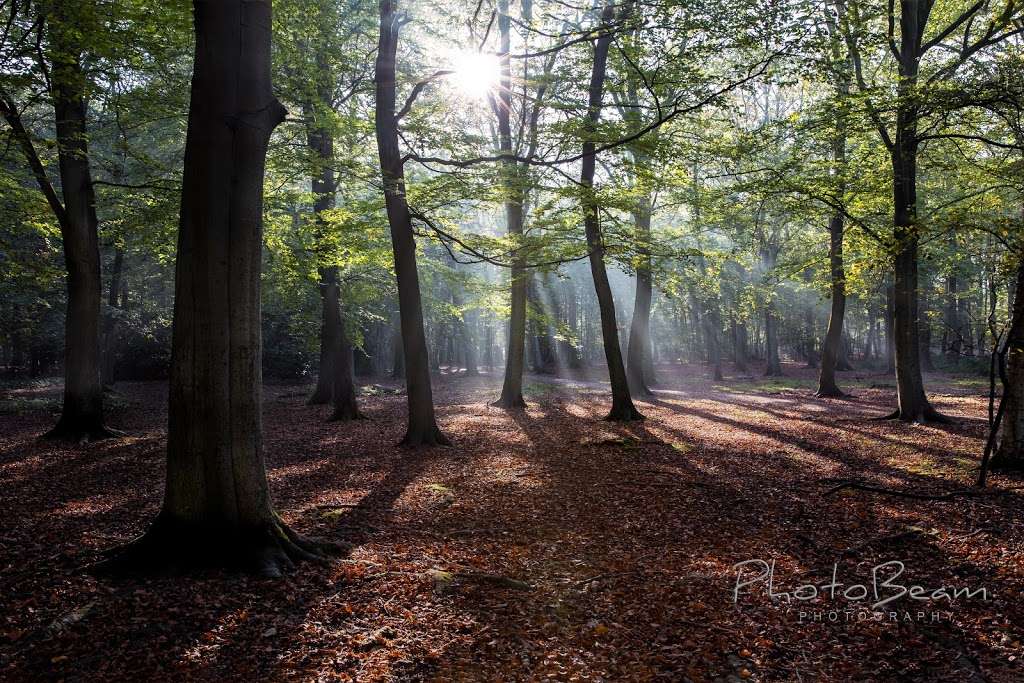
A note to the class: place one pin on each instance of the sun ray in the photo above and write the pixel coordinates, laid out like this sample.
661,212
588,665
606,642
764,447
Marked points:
475,74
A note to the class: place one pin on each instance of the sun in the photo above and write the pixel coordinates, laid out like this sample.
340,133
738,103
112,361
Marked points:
475,74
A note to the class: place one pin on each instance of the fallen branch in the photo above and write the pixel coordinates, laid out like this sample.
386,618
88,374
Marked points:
860,486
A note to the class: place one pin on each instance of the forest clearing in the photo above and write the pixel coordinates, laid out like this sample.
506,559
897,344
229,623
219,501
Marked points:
546,544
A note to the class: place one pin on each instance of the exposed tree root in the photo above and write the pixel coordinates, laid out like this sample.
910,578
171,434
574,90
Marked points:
345,413
79,433
173,547
926,416
429,436
627,413
860,486
829,392
510,402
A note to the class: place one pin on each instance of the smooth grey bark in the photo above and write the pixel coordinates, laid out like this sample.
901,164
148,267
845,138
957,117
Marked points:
217,509
422,428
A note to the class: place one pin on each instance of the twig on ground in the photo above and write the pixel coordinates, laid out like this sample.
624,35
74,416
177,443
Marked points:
860,486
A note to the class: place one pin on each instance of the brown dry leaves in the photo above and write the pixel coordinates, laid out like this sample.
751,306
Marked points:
546,544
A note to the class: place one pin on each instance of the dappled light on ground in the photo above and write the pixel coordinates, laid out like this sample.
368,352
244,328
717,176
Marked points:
545,543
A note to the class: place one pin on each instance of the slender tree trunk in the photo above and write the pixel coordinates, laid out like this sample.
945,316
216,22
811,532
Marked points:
330,324
512,385
834,352
110,321
925,335
622,402
397,352
638,352
954,331
423,429
217,508
82,413
739,346
321,146
773,367
830,350
346,407
890,330
912,404
712,336
466,336
843,360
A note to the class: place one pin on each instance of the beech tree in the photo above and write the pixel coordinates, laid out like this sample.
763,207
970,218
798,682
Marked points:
622,409
217,509
422,429
839,68
60,31
909,38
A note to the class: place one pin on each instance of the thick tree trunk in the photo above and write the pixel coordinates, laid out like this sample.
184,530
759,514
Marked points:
1010,454
622,402
638,352
422,429
82,413
217,509
912,404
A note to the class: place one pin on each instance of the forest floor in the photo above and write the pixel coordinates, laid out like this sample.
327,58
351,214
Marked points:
546,544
